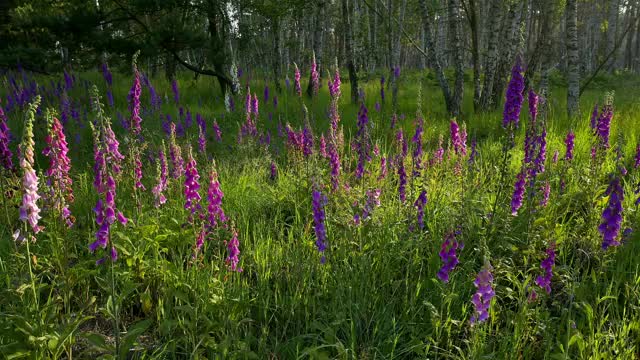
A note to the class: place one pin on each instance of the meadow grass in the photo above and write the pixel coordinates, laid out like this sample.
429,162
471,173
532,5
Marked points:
377,296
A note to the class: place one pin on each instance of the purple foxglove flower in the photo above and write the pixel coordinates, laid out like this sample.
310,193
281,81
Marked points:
459,146
307,141
482,298
135,119
394,120
569,142
518,193
217,131
603,126
323,146
637,163
233,246
474,151
318,202
266,93
448,255
202,138
363,145
106,74
514,97
546,189
334,162
383,168
161,186
382,89
175,153
612,214
200,240
215,213
296,81
274,171
137,171
176,91
58,179
417,151
419,204
6,156
544,281
192,186
555,156
402,178
315,76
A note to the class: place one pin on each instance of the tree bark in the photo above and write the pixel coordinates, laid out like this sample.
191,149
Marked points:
347,10
433,56
573,72
458,57
471,10
495,25
317,41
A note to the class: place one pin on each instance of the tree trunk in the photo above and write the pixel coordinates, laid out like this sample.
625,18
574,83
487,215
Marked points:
458,57
495,24
573,72
277,59
471,9
433,55
317,41
347,10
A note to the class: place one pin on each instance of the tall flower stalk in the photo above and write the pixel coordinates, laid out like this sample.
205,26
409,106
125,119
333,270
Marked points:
482,298
107,159
60,193
612,214
29,210
318,202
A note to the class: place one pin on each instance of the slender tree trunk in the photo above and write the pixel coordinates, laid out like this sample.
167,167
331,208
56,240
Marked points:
277,57
433,55
458,57
472,17
347,10
318,40
573,72
495,24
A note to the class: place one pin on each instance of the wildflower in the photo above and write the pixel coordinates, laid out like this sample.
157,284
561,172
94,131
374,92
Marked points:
266,93
544,281
274,171
29,210
514,98
474,151
420,203
556,153
417,151
191,185
394,120
323,146
603,126
448,255
200,240
334,85
176,91
382,89
334,162
6,156
202,134
319,222
215,213
175,153
137,170
402,179
637,163
307,141
546,189
134,107
363,146
296,80
161,186
217,131
58,179
459,146
233,246
315,76
518,193
383,168
612,214
106,74
482,298
569,142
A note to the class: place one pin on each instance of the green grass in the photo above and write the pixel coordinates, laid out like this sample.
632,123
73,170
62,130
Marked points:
377,297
